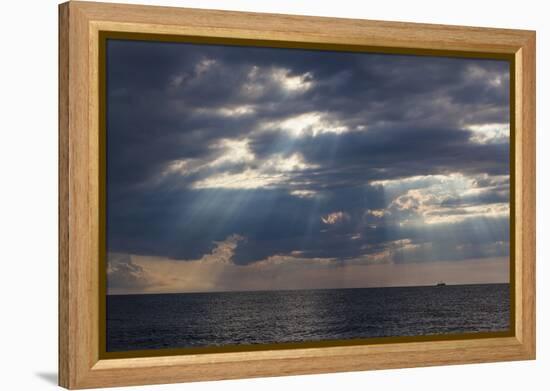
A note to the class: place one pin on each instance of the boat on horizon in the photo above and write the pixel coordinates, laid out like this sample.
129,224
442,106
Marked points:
441,283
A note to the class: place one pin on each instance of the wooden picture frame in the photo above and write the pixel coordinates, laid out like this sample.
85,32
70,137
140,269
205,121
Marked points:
81,24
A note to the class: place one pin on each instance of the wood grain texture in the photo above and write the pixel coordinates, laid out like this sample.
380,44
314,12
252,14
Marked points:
76,236
63,200
80,24
527,187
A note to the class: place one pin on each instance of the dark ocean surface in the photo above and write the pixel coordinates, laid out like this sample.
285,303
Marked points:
237,318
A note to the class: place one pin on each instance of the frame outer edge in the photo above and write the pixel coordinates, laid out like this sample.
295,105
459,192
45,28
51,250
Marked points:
64,367
77,365
529,194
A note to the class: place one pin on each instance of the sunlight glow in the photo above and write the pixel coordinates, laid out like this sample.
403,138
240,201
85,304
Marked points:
236,111
298,83
269,173
311,123
248,179
235,151
303,193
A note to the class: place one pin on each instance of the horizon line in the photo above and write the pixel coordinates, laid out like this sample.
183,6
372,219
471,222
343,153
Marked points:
306,289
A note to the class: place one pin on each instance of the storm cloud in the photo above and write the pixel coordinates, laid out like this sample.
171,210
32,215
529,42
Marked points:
322,159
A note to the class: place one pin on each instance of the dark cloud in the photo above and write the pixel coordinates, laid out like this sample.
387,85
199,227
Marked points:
204,142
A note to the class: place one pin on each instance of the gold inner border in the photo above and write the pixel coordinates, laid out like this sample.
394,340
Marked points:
102,210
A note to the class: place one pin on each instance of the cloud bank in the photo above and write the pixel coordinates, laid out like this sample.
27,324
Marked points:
238,157
216,271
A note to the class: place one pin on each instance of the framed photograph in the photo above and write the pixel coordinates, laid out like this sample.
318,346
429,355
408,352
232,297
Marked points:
246,195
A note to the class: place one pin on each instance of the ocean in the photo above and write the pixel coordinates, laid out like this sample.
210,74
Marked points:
159,321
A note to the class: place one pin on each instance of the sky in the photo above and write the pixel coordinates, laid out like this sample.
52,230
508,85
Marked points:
243,168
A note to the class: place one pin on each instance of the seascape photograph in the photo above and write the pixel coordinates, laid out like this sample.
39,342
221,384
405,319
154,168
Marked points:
260,196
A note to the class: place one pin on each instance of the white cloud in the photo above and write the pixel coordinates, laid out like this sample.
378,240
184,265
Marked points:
224,250
237,111
445,199
204,66
280,163
429,206
231,111
228,151
490,133
311,123
335,218
302,193
268,173
260,80
378,213
458,214
418,180
297,83
248,179
233,151
388,251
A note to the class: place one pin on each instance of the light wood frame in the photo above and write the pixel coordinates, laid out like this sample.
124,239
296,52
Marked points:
80,24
